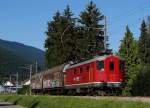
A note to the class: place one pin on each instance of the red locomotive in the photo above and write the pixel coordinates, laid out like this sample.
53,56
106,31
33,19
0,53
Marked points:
101,74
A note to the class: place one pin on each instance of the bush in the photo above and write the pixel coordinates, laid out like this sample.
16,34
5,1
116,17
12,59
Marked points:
24,90
141,86
126,92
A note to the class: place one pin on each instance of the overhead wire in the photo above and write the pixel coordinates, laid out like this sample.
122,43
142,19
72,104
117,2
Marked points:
135,10
130,12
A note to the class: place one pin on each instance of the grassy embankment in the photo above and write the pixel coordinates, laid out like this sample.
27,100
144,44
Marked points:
70,102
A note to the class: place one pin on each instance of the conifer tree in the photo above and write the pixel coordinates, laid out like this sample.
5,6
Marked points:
141,85
148,42
90,19
142,42
61,43
148,24
66,41
129,51
52,43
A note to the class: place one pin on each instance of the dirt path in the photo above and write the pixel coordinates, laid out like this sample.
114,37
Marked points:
142,99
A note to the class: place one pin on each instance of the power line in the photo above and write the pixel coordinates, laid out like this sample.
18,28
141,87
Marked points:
130,13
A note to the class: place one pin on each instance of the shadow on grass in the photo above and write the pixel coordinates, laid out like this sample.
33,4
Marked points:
34,103
7,99
17,100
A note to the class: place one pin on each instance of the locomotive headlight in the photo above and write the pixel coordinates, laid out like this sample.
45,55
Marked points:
102,69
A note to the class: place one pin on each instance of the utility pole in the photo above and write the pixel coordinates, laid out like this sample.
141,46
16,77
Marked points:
36,66
30,77
17,83
10,83
29,67
105,34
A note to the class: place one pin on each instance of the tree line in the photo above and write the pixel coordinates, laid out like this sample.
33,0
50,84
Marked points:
137,59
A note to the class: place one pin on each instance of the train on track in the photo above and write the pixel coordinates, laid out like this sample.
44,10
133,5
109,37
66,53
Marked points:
100,75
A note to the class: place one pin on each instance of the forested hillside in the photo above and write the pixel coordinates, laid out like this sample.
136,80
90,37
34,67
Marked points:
14,56
26,52
10,64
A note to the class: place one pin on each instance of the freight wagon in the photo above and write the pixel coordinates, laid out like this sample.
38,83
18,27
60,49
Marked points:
49,80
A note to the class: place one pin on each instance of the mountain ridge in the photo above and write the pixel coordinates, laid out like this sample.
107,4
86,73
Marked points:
15,55
25,51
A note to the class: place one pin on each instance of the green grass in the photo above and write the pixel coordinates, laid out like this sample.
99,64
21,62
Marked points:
70,102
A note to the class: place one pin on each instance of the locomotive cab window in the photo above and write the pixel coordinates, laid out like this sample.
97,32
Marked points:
74,71
87,68
69,70
100,65
80,70
111,66
121,65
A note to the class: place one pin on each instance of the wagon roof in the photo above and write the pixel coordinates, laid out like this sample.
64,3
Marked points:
55,69
51,70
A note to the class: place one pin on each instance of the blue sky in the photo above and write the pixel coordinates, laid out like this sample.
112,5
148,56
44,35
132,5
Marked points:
25,21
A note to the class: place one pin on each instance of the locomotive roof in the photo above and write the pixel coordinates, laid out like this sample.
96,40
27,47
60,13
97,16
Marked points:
88,61
91,60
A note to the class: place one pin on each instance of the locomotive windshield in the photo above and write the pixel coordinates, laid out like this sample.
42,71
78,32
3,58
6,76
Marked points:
100,65
111,65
